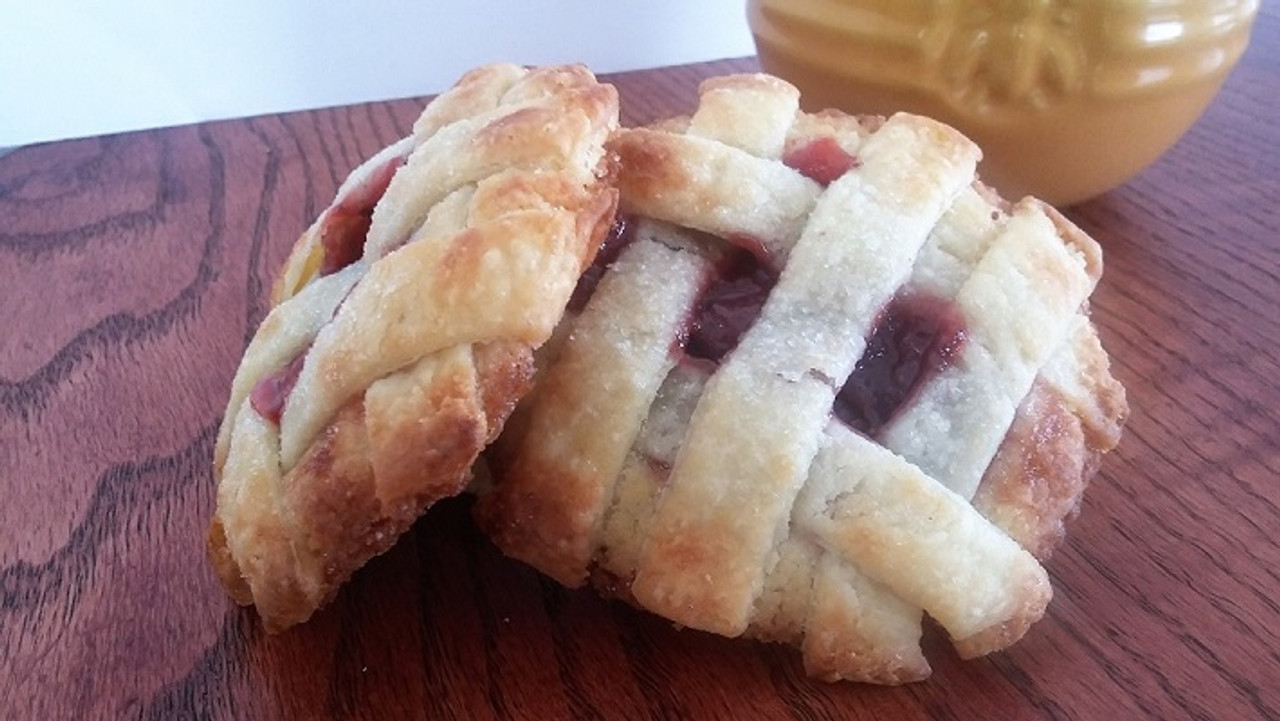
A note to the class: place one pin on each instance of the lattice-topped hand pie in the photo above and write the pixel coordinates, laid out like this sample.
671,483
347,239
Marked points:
404,330
820,381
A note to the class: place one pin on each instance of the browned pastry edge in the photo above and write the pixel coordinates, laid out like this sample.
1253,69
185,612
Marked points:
507,518
1032,489
332,490
542,543
1053,448
496,518
386,455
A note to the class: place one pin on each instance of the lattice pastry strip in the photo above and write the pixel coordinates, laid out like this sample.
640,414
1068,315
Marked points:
761,492
703,550
1019,300
1072,415
629,328
404,330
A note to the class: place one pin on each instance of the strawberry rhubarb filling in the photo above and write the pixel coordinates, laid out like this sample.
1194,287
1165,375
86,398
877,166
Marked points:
915,337
821,160
343,233
271,391
346,225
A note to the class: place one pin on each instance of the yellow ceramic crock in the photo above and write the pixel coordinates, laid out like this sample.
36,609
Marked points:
1068,98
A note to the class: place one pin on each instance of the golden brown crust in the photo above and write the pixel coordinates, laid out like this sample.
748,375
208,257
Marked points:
540,540
409,359
506,374
1038,477
1063,427
699,183
364,481
568,447
843,638
680,489
736,475
1033,597
225,565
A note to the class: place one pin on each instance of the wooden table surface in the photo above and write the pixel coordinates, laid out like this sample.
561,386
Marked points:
133,270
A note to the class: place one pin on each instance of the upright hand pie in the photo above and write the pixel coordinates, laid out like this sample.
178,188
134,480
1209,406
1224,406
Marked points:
819,382
404,328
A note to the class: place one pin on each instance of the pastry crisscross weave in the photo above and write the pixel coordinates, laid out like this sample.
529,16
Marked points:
404,328
740,485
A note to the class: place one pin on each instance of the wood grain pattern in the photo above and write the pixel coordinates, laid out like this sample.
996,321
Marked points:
134,268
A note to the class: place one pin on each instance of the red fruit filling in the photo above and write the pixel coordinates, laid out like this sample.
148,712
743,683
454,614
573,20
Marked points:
821,160
346,225
271,391
342,237
618,237
916,337
729,304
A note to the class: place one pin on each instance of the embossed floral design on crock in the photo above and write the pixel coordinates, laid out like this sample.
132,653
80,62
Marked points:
1006,52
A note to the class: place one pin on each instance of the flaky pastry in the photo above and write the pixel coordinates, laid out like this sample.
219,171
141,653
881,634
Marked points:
820,382
403,330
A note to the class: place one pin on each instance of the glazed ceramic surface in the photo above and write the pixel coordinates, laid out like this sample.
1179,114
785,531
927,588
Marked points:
1068,98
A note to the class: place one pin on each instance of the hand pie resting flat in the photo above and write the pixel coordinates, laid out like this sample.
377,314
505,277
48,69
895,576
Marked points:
820,382
403,330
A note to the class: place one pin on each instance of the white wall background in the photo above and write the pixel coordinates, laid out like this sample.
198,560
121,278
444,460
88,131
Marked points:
71,68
